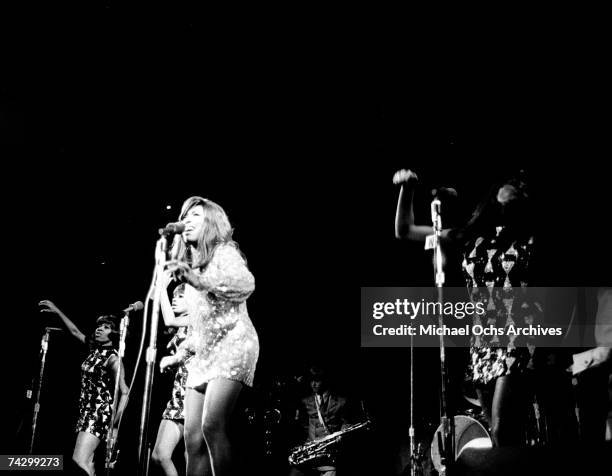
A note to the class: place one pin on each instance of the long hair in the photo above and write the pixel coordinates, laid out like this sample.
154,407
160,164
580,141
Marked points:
488,211
216,230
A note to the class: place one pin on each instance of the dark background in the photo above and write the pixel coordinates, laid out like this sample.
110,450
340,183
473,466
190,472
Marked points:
295,126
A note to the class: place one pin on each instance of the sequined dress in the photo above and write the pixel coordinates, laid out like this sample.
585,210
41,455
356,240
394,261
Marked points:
175,407
223,338
496,270
96,399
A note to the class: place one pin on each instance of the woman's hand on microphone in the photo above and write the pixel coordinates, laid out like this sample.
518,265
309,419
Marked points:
404,176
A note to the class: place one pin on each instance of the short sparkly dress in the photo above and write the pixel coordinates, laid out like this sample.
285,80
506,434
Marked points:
496,269
223,338
97,388
174,409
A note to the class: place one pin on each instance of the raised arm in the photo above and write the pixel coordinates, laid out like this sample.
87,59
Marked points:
404,215
170,318
48,306
168,314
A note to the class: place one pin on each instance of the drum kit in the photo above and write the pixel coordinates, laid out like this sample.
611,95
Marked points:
470,432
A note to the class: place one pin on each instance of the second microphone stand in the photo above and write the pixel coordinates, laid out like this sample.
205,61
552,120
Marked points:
151,355
44,345
111,452
446,441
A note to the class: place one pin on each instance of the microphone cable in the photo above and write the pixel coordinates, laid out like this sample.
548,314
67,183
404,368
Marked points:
141,347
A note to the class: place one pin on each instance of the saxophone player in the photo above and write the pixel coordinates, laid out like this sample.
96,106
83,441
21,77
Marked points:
320,414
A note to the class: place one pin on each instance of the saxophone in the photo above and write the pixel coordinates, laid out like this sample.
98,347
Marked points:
323,448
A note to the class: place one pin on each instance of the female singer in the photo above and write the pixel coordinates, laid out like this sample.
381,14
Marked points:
172,424
224,340
497,245
98,376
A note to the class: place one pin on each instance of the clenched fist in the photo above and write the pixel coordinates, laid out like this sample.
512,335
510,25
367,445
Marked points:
404,176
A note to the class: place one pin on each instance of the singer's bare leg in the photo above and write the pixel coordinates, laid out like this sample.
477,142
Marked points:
485,397
84,450
198,461
168,436
219,401
506,418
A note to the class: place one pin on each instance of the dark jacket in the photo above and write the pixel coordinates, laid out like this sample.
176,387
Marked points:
334,411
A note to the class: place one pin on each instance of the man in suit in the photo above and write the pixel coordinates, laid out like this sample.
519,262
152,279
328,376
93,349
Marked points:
321,413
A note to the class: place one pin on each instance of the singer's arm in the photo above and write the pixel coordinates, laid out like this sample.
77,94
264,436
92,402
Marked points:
227,275
113,364
170,318
184,351
48,306
404,215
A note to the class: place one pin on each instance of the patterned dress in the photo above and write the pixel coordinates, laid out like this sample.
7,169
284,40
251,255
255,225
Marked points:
496,273
97,387
223,338
174,408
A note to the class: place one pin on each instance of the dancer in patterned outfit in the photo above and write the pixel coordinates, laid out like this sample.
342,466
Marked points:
497,245
223,339
172,424
98,375
497,276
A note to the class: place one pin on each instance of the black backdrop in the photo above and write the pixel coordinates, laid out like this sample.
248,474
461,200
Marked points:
295,127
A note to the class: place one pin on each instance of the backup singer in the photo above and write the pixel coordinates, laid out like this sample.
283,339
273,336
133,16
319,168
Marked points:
98,376
497,246
171,427
224,340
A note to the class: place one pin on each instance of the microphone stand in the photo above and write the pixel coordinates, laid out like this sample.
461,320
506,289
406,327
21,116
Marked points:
111,454
43,351
447,442
415,456
151,354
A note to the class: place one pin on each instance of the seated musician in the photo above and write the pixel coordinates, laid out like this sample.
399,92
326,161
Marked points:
321,413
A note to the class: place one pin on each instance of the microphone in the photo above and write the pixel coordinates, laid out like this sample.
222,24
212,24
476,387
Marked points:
444,192
172,229
137,306
44,342
435,213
